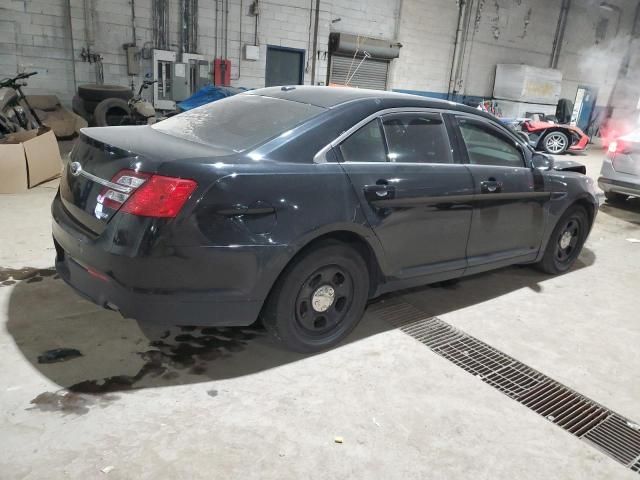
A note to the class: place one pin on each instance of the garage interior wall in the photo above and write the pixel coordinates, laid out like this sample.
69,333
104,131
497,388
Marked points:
37,35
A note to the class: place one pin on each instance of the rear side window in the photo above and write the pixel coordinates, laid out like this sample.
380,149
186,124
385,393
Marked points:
417,138
238,123
487,147
365,145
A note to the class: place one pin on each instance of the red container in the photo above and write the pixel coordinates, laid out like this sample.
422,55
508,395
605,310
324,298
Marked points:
222,72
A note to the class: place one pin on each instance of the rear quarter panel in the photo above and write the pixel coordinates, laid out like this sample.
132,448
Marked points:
308,201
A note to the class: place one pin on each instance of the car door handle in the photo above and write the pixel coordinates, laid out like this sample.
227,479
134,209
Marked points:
379,191
491,186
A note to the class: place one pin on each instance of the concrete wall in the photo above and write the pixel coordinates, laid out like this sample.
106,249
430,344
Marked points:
36,34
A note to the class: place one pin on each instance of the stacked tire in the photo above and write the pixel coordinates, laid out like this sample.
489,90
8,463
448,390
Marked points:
94,102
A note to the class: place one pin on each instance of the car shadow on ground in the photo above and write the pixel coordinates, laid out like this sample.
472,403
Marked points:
118,354
628,211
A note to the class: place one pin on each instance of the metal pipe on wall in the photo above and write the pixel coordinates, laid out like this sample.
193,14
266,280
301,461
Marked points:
226,29
559,36
73,55
215,34
457,46
133,22
315,43
240,40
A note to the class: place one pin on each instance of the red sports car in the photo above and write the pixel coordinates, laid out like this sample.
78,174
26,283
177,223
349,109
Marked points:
553,137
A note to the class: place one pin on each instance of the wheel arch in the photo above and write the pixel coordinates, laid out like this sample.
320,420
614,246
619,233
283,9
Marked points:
588,205
549,130
355,239
583,201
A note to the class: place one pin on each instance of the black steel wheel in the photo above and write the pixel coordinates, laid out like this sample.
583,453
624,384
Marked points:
566,241
324,300
318,299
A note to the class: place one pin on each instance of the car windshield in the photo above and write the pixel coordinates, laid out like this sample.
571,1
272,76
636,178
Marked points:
238,123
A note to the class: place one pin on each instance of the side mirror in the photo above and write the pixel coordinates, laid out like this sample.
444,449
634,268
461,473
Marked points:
541,161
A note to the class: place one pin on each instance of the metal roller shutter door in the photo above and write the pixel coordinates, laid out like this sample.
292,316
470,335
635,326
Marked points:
371,74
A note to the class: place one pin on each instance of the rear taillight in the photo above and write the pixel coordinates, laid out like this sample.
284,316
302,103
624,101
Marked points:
160,197
616,146
130,181
147,195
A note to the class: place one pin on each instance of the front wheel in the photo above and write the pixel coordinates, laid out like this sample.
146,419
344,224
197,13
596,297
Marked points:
318,299
555,143
566,241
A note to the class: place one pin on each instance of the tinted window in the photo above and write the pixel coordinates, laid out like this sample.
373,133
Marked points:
417,139
237,123
486,147
365,145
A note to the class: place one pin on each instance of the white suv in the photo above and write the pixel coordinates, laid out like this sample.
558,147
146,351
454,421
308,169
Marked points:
620,173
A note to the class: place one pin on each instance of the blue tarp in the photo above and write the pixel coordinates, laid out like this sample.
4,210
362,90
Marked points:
208,94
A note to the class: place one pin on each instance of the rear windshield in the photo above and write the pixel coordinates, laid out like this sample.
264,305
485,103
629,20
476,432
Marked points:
238,123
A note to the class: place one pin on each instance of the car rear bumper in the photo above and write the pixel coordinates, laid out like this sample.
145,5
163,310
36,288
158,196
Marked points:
148,307
618,186
179,288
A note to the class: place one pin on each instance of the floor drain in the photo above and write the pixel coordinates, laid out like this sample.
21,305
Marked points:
607,431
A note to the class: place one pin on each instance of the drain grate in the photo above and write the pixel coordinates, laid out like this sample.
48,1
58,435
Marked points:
605,430
619,438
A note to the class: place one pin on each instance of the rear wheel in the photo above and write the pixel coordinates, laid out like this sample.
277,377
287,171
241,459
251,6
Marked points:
566,241
614,197
555,143
318,299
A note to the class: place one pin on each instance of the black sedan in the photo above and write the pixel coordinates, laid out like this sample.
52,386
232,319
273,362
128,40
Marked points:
297,205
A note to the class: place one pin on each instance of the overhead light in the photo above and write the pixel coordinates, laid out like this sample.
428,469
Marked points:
607,6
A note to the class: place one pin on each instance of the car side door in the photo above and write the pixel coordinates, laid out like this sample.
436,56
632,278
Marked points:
415,192
510,197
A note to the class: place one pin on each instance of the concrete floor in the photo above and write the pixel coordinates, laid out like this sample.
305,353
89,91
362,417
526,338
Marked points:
246,410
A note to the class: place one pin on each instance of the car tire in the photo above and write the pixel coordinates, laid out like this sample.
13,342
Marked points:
566,241
555,143
615,197
318,299
97,93
112,111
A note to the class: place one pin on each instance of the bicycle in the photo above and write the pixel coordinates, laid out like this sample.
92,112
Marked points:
13,116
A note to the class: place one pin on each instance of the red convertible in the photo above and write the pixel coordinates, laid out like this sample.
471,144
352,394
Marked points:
553,137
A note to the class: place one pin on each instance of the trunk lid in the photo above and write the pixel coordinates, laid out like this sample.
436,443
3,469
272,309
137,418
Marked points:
103,152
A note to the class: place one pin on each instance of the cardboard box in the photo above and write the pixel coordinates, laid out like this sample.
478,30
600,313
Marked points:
27,159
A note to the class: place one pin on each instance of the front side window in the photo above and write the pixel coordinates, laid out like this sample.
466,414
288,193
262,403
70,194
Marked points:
417,138
365,145
486,147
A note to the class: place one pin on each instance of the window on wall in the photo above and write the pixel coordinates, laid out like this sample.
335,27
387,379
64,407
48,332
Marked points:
365,145
488,147
417,138
285,66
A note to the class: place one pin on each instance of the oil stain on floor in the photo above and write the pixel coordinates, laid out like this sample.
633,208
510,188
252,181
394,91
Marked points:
188,353
11,276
